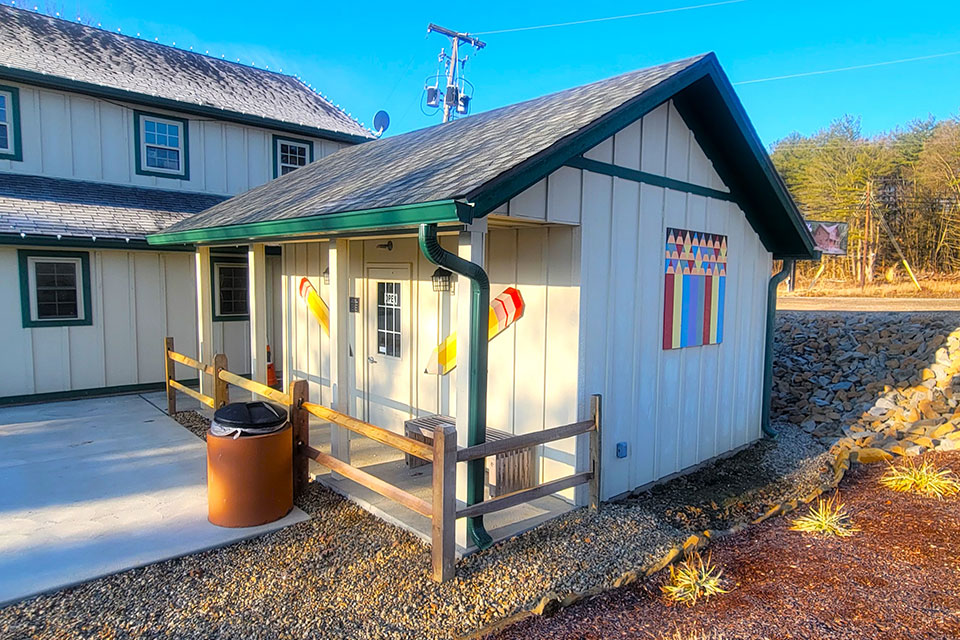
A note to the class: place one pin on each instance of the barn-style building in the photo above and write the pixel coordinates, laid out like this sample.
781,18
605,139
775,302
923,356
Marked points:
627,228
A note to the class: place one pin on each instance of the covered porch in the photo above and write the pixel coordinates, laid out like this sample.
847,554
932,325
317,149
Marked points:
369,331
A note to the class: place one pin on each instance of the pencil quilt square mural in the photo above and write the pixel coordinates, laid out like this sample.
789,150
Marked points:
695,268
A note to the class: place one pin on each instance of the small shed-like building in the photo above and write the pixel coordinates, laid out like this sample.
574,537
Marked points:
628,230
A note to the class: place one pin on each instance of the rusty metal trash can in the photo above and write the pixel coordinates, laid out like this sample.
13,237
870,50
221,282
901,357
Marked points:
249,465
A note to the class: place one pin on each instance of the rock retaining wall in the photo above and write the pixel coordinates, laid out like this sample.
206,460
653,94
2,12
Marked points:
880,384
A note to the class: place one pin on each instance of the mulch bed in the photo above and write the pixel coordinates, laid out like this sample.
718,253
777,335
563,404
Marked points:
895,578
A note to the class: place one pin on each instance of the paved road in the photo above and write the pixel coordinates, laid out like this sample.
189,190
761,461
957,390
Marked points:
792,303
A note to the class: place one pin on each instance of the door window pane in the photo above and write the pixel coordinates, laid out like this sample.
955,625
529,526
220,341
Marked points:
388,319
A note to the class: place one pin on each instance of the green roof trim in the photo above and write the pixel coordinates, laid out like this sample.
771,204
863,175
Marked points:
701,87
383,218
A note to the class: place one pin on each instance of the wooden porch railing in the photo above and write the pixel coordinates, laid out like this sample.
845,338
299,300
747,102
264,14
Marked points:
443,453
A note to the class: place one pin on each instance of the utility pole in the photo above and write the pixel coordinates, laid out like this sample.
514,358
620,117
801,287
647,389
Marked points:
451,96
896,245
865,261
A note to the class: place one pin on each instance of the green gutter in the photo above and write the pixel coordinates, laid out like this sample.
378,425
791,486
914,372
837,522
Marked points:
383,218
477,370
135,244
768,350
99,91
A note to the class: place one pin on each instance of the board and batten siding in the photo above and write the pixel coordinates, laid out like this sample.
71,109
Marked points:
591,276
138,297
70,135
532,381
674,408
309,346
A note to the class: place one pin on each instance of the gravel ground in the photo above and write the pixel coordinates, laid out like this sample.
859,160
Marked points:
895,579
346,574
194,422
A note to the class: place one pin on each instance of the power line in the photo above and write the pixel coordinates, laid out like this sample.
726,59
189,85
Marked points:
607,19
852,68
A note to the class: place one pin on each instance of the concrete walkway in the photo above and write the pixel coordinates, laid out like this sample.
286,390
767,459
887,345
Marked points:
93,487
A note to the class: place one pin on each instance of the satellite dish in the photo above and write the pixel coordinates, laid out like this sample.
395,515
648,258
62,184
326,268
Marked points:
381,121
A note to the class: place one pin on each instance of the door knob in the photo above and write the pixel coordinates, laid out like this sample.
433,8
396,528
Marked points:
371,360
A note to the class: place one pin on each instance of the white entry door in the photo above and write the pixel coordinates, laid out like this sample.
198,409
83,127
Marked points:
389,351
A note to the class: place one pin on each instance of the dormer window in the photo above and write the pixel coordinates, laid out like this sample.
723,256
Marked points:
10,124
161,145
289,154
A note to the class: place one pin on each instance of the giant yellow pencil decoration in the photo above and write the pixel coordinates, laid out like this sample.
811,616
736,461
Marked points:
316,304
505,309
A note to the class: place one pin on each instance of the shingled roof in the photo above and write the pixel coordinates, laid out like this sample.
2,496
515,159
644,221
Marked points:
41,49
475,164
39,206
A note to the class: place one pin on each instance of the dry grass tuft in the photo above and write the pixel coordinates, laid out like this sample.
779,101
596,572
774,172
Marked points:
828,518
925,480
693,579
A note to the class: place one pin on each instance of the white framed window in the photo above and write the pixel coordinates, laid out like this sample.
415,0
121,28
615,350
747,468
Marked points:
162,145
231,282
290,154
56,288
6,121
10,147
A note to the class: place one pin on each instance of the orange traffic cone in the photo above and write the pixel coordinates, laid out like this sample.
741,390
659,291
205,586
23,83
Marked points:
271,371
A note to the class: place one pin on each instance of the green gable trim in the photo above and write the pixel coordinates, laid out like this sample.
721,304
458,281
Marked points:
703,86
647,178
276,150
215,289
137,149
91,89
382,218
23,256
95,392
734,134
15,154
511,183
69,242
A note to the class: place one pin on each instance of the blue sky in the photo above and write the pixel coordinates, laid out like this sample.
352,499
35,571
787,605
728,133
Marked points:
376,56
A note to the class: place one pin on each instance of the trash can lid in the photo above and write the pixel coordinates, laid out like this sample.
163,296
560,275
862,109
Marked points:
250,414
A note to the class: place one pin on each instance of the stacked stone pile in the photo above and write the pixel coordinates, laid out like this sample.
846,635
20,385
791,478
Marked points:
877,383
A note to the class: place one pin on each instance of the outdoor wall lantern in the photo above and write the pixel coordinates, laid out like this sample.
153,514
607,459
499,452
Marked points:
441,280
326,275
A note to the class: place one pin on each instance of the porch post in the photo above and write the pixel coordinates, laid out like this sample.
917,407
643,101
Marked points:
470,247
204,316
257,304
337,261
285,301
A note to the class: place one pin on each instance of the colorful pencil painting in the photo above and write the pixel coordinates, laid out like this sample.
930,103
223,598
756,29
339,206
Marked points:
694,288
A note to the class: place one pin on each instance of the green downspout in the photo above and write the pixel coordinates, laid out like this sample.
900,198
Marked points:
477,412
768,353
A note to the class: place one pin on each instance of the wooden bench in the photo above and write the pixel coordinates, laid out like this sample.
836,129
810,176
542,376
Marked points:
505,472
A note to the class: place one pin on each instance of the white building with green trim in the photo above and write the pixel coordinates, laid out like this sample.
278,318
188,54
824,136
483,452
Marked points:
578,200
104,139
